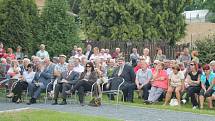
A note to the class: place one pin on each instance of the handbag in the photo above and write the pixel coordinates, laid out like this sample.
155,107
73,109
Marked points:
95,102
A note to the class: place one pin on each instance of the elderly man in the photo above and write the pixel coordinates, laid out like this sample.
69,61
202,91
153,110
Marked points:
59,68
143,77
67,79
134,57
41,79
212,65
89,51
186,57
116,54
78,67
127,73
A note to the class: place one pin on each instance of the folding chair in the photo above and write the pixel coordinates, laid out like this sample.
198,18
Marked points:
88,92
116,85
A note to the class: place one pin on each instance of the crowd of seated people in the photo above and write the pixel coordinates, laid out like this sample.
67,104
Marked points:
178,80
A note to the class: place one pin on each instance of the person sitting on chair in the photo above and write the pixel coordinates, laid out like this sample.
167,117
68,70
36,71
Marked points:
143,78
22,84
85,82
67,80
127,73
41,79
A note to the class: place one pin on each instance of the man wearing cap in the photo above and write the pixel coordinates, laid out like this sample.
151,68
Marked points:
42,53
59,68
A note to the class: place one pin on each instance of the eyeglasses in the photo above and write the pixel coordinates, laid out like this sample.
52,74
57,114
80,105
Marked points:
88,66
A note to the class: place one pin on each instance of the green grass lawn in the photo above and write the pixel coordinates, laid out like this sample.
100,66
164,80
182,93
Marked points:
46,115
183,108
139,103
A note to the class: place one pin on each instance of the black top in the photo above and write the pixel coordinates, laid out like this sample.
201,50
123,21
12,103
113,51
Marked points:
194,77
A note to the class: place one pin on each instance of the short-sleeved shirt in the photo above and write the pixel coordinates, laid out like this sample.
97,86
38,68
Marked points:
61,67
176,79
42,54
210,79
143,76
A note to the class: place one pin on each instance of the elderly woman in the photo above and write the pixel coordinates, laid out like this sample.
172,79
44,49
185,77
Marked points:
160,56
159,83
176,84
42,53
207,86
10,54
146,56
85,82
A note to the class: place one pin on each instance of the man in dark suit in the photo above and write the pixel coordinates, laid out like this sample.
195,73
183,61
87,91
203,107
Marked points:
88,51
41,79
68,78
127,73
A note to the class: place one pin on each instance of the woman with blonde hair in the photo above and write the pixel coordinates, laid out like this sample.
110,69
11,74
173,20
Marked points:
175,83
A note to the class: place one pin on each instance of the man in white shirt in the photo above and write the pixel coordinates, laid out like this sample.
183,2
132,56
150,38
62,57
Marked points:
78,67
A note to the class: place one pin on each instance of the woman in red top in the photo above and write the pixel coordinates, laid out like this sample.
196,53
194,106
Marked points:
159,83
10,54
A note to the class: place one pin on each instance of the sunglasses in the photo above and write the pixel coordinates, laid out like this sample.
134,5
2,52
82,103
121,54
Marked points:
88,66
206,69
192,64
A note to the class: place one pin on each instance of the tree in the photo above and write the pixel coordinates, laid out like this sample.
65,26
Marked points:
133,19
59,29
74,6
17,22
195,5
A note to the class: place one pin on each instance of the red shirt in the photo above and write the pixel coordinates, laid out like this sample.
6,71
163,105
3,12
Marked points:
136,68
161,83
12,56
2,53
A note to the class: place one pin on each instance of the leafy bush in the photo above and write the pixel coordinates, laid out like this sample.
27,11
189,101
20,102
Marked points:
206,50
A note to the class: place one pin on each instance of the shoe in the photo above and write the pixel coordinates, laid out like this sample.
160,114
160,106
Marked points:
68,92
19,101
183,101
146,102
63,103
55,103
194,107
30,101
10,95
82,104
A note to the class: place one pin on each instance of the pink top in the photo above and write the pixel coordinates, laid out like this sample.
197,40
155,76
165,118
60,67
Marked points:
161,83
12,56
2,53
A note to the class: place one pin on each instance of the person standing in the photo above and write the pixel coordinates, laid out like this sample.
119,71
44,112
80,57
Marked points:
42,53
